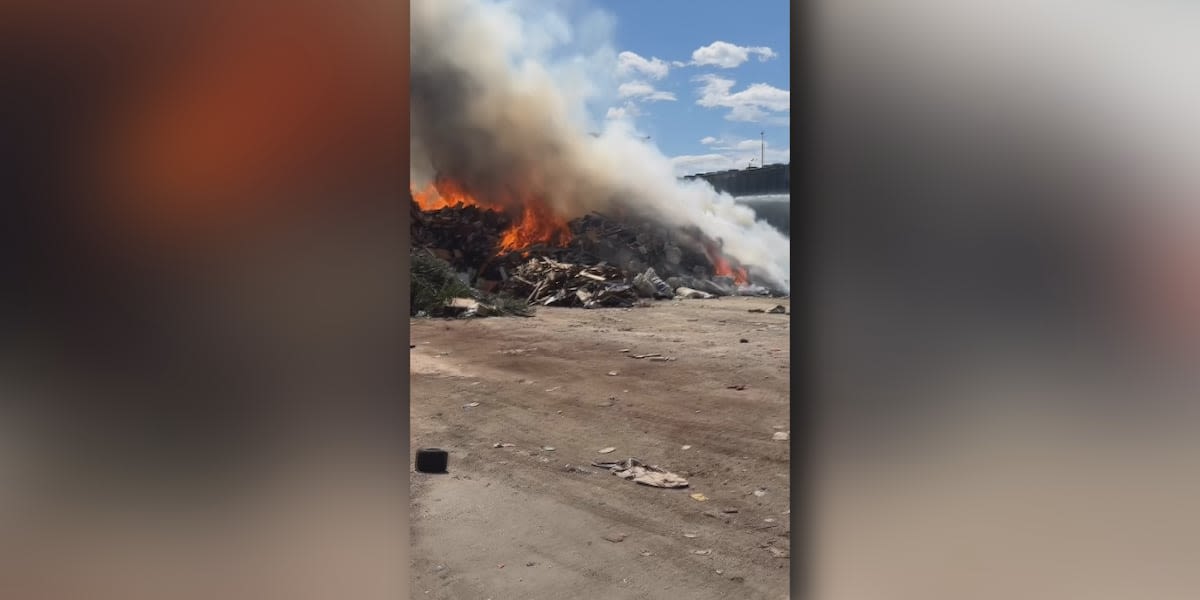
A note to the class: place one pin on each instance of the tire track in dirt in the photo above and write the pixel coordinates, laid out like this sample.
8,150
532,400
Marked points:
544,381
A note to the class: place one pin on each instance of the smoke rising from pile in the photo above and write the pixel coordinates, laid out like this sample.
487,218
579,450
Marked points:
489,114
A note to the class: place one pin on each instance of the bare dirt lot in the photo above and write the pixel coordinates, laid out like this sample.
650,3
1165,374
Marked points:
525,522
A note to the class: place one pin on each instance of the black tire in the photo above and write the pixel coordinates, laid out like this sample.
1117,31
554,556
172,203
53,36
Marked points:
432,460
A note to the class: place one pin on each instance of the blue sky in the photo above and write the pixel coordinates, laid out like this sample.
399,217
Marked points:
700,78
703,78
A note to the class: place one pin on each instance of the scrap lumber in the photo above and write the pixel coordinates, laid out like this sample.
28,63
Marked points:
567,284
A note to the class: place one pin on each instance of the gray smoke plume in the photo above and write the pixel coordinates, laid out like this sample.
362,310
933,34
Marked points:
487,113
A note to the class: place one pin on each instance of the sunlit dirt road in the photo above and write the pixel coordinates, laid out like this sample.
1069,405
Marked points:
518,522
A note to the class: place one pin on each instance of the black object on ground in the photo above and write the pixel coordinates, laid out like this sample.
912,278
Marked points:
432,460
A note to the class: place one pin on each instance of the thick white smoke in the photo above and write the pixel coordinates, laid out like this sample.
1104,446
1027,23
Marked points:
490,110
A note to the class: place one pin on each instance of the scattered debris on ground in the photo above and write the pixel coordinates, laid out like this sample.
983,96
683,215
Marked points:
616,537
687,293
639,472
778,309
567,496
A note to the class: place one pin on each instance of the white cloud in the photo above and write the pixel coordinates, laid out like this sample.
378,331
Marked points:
644,91
634,88
700,163
736,154
727,56
747,146
627,111
631,63
751,104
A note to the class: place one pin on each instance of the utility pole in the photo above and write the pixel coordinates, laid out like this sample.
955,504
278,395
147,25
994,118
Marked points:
762,136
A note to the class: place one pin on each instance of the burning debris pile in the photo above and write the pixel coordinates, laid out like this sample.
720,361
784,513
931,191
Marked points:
593,261
518,172
547,282
465,235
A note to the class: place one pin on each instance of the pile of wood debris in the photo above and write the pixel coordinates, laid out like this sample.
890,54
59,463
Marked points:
609,262
547,282
461,235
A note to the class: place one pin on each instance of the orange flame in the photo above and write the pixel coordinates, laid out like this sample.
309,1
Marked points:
538,224
446,194
722,267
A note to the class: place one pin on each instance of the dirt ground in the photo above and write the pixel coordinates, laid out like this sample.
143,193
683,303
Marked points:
518,523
